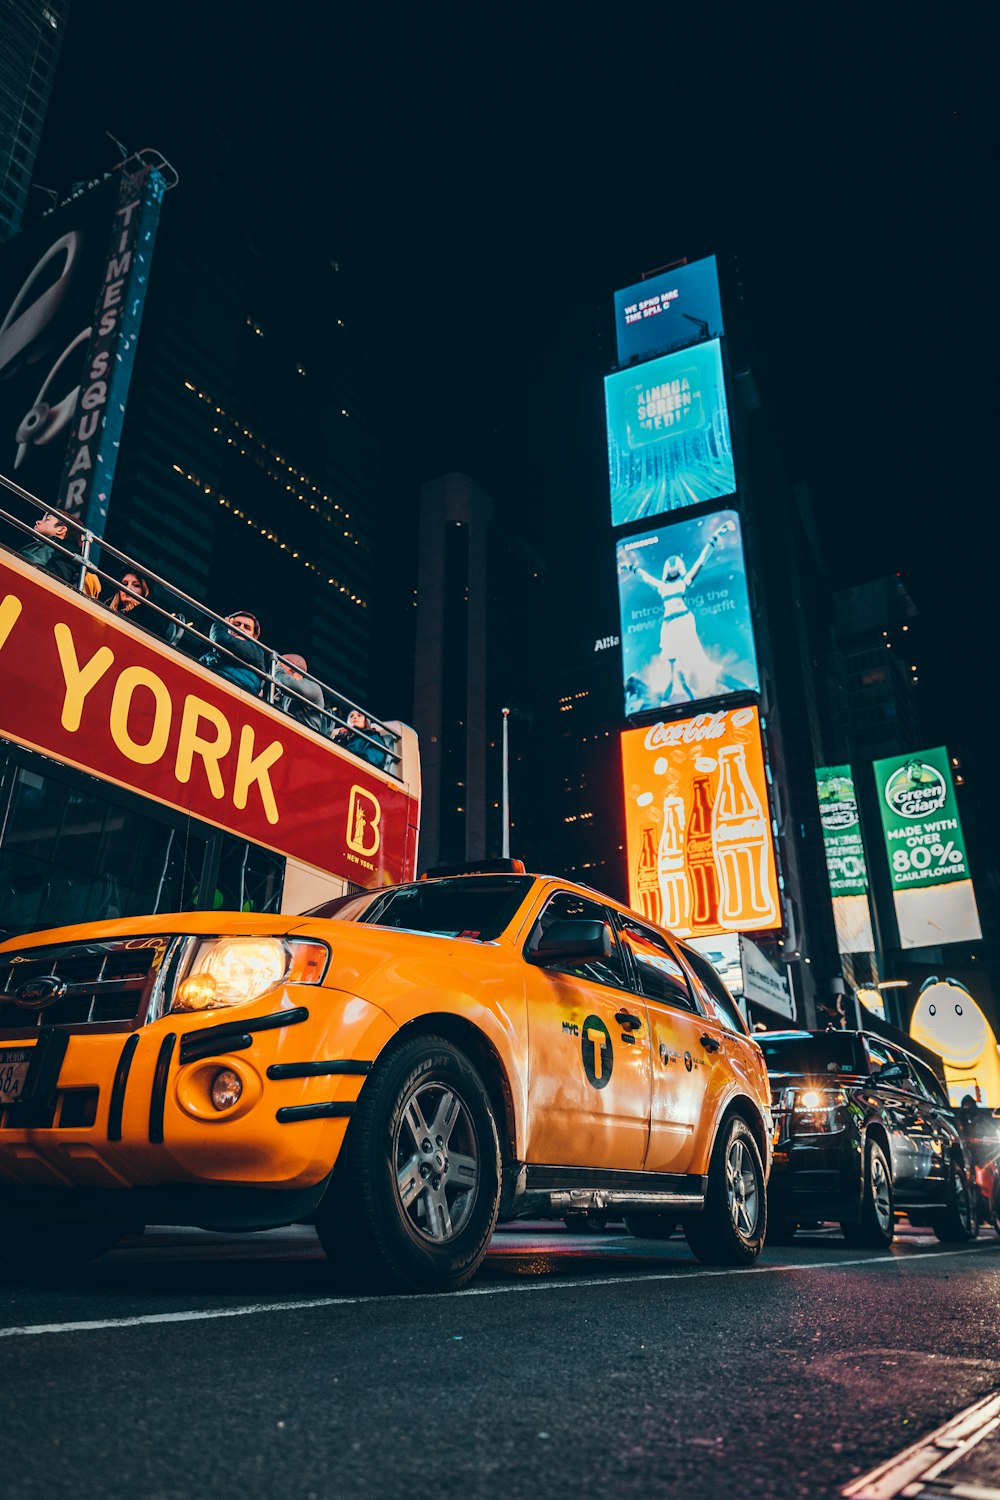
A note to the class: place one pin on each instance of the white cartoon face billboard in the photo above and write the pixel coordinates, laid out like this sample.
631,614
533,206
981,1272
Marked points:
948,1020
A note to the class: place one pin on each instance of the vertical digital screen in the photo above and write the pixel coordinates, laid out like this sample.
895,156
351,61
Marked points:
698,825
50,277
669,443
686,631
845,858
666,312
931,882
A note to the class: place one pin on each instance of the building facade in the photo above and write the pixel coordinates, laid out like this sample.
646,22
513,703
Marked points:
31,37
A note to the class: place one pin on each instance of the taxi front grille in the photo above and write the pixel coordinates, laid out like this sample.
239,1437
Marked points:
80,985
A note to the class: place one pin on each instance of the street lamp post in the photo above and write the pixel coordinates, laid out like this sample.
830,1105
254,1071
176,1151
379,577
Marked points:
506,785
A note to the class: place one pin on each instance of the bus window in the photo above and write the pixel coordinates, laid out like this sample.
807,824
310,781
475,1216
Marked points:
70,854
249,878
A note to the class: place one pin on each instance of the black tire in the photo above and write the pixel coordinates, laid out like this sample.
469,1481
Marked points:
731,1228
878,1222
780,1231
413,1202
959,1223
44,1247
650,1225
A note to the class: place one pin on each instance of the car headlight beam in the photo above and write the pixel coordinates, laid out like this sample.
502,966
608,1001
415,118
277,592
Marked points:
227,971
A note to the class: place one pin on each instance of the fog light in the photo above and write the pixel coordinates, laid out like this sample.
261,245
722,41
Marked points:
227,1087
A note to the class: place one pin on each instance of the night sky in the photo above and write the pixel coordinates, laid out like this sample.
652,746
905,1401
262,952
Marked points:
514,165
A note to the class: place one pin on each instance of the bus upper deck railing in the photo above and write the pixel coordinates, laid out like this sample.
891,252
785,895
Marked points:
178,629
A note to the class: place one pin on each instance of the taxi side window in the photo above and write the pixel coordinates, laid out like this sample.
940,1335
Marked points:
718,1002
660,975
566,906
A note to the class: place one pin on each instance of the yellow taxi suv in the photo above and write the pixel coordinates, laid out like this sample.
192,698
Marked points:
400,1068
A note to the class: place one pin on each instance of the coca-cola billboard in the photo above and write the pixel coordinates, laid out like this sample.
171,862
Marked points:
698,824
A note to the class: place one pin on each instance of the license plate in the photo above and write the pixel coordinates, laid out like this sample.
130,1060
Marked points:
13,1071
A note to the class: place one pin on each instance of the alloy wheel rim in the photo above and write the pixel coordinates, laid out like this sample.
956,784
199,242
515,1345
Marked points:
435,1160
742,1189
880,1192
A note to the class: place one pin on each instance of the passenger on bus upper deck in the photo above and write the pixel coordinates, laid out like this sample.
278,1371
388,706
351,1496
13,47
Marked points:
294,685
50,533
236,655
353,739
129,601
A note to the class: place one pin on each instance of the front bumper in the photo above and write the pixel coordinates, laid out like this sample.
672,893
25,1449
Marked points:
127,1114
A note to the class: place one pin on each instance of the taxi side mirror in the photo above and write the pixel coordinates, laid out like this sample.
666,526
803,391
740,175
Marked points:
574,938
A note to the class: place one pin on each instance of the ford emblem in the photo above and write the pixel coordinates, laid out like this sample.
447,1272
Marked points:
35,994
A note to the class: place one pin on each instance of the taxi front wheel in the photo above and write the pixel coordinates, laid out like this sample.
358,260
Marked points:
414,1198
730,1229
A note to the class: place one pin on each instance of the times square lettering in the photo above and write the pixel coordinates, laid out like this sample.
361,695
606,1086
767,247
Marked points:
94,396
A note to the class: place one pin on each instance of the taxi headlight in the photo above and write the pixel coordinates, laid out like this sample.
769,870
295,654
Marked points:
236,970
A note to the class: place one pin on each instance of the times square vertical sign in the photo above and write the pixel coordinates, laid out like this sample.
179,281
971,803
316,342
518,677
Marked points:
95,434
72,289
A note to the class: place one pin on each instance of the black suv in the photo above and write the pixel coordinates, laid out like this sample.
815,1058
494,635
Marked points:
863,1131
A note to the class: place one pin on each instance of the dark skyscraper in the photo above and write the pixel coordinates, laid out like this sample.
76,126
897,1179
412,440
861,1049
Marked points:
31,34
246,473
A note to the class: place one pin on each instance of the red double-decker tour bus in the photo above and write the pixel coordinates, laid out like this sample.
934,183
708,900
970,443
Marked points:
133,779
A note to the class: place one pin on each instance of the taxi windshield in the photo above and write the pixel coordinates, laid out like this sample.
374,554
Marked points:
464,907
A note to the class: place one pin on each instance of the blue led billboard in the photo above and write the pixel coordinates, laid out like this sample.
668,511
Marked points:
666,312
668,434
685,610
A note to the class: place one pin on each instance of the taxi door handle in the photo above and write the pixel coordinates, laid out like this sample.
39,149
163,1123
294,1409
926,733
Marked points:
710,1043
627,1020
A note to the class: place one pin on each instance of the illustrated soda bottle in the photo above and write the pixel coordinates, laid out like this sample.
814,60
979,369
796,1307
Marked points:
675,894
647,883
701,859
740,846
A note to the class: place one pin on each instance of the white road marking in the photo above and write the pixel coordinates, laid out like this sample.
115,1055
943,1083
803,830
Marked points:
565,1284
927,1460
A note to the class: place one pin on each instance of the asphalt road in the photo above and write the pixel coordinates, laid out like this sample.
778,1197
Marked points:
186,1365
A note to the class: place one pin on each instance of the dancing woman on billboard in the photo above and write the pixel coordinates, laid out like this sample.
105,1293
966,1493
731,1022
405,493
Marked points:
691,672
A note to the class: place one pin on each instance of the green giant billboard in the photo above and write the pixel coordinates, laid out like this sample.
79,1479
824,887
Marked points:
931,883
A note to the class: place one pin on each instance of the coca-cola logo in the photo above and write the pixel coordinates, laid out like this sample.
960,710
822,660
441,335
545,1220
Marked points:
687,731
701,727
916,790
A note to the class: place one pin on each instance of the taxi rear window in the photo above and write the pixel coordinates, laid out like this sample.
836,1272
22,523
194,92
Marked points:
463,907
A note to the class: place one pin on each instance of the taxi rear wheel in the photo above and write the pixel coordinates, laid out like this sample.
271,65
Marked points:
730,1229
46,1247
413,1202
651,1226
